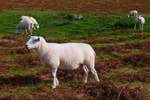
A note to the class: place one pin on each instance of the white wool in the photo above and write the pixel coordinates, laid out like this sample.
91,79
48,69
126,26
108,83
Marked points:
32,19
64,56
35,23
139,20
132,13
26,25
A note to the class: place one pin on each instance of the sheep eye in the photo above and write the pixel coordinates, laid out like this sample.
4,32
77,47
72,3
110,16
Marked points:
36,40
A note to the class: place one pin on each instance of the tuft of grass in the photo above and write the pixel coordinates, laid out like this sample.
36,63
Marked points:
122,71
5,94
122,43
25,71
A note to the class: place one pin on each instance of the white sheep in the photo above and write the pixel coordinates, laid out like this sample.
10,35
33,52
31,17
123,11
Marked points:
132,13
64,56
26,25
139,20
35,24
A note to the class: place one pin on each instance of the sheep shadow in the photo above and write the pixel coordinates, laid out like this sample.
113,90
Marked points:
20,80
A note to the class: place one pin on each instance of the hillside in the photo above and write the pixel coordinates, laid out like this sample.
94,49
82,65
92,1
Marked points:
92,6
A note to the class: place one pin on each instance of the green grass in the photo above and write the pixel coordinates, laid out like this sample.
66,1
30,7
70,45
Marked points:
5,94
122,71
117,36
121,43
25,71
56,23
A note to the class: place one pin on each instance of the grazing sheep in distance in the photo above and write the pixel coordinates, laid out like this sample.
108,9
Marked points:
64,56
132,13
139,20
26,25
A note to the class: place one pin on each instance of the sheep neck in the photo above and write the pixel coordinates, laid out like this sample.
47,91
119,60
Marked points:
42,48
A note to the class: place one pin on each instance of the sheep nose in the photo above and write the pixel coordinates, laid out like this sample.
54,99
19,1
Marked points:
26,46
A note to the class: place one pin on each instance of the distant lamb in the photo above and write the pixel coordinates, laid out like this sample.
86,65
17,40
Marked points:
65,56
26,25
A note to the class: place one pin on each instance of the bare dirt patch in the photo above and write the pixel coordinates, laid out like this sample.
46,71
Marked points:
109,91
108,65
112,49
28,60
138,60
19,80
142,76
78,5
9,37
105,91
8,44
124,48
8,51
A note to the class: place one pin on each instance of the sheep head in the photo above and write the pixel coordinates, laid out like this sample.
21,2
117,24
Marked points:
33,42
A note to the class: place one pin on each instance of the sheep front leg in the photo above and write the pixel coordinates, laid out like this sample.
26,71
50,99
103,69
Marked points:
86,71
55,80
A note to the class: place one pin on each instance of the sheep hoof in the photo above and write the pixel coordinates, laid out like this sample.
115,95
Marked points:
53,87
85,81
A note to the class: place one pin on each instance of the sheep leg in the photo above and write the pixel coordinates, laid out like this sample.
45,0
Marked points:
134,26
30,32
95,74
86,71
55,80
142,27
26,31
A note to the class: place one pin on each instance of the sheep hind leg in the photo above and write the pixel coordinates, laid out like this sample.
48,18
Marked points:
30,32
95,74
92,69
55,80
142,27
134,26
85,76
26,31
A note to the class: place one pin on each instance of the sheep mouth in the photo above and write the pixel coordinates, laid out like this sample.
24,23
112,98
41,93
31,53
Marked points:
27,48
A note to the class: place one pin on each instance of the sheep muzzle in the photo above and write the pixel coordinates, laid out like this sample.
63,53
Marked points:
27,48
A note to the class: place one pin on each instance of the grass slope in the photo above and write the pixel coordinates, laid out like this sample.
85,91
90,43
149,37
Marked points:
62,23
